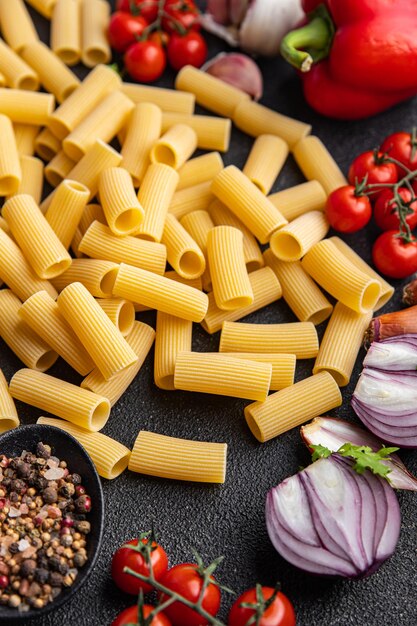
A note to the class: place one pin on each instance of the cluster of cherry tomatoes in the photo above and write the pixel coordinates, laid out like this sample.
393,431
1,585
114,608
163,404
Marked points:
148,32
383,184
187,581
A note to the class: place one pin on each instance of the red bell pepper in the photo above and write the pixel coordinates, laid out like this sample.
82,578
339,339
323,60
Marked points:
356,57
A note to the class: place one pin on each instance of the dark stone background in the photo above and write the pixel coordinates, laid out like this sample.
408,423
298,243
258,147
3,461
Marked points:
229,519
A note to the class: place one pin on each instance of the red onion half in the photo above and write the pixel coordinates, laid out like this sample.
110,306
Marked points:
330,520
393,354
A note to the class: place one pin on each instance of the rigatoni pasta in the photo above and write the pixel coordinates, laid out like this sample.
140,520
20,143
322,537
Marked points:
120,312
65,31
26,107
8,415
58,168
283,366
291,242
16,24
122,209
198,224
175,146
155,196
143,130
25,135
173,335
44,7
316,163
183,253
47,145
195,198
66,208
213,133
165,99
94,23
17,73
32,178
199,170
300,199
10,169
96,275
265,161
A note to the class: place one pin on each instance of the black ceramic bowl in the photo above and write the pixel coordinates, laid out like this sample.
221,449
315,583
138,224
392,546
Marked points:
68,449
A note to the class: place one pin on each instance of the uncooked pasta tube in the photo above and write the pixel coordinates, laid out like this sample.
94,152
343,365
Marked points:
247,202
16,24
91,213
2,80
296,201
17,73
140,340
333,271
199,170
26,107
213,133
173,335
256,119
293,406
165,99
10,170
206,373
299,291
8,414
291,242
265,161
65,211
179,459
183,253
4,225
210,92
79,406
120,312
20,338
155,195
25,135
97,276
99,242
58,168
44,7
283,366
94,24
195,283
316,163
94,88
195,198
143,130
160,293
102,340
299,338
32,177
198,224
121,207
341,343
47,145
43,315
175,146
17,273
265,288
65,31
231,285
53,73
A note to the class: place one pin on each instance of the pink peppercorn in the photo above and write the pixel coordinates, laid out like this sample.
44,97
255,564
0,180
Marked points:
4,581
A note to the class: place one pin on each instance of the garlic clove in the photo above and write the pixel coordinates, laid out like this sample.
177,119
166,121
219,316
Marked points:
219,9
238,70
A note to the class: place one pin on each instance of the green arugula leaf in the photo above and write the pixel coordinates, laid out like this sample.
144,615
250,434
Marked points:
320,452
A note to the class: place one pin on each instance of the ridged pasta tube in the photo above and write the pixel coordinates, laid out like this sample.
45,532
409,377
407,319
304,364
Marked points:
26,107
122,209
316,163
155,196
44,7
294,240
65,211
8,415
66,32
10,169
47,145
300,199
173,335
120,312
199,170
96,275
195,198
17,26
265,161
283,366
95,16
143,130
165,99
58,168
32,178
198,224
175,146
213,133
183,253
18,74
25,135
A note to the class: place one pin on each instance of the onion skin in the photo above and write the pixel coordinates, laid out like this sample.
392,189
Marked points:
392,324
410,293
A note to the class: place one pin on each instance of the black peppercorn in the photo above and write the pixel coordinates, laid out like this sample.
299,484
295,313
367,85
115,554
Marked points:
41,575
14,548
54,563
28,568
50,495
55,579
43,450
75,479
63,568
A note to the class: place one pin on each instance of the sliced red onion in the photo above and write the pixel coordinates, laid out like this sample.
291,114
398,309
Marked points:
395,353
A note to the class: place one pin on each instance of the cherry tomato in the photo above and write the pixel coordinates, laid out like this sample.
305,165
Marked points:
279,613
394,257
126,557
146,8
145,61
378,172
180,15
347,212
130,616
123,30
399,146
185,579
190,49
385,215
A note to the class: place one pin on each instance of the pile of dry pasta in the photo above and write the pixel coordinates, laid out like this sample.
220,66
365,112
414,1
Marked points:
205,220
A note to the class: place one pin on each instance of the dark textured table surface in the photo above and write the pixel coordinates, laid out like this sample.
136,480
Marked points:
229,519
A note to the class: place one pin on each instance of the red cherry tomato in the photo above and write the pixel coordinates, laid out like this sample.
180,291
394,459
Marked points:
180,15
146,8
145,61
394,257
123,30
399,146
185,579
385,214
126,557
279,613
190,49
130,616
378,172
347,212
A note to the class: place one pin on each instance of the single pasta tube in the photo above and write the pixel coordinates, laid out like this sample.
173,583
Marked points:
79,406
20,338
265,288
8,415
32,178
179,459
175,146
333,271
195,283
65,31
25,135
173,335
160,293
95,16
291,242
183,253
17,26
165,99
341,343
17,73
16,271
143,130
299,291
283,366
255,119
198,224
247,202
38,242
293,406
102,340
207,373
10,169
265,161
41,313
199,170
140,340
213,133
65,211
4,225
210,92
316,163
195,198
26,107
44,7
300,199
155,196
231,285
97,276
299,338
120,312
99,242
91,213
47,145
122,209
58,168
